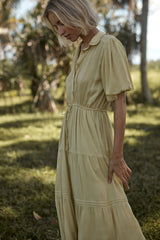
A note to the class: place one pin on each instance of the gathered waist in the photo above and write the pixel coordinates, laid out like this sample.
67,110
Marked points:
74,105
70,107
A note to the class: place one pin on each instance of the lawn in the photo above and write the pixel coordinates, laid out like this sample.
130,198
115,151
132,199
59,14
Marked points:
27,173
28,152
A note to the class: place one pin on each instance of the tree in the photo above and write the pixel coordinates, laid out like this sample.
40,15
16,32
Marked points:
146,94
120,17
37,47
6,23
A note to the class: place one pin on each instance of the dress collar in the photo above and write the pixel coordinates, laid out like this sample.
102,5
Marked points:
95,40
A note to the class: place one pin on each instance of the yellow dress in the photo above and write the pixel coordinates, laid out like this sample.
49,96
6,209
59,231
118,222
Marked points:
88,207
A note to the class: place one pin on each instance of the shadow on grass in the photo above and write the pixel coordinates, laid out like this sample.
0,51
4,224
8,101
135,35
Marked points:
27,122
19,200
24,107
31,154
27,185
141,110
143,158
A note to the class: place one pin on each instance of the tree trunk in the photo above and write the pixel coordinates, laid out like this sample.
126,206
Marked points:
146,94
43,99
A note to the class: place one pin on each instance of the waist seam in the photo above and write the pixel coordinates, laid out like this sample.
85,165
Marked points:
69,106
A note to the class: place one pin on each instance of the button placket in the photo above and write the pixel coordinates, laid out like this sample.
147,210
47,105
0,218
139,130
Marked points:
75,74
69,108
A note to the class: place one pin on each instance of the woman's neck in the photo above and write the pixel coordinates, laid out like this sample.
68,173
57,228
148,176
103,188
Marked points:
86,39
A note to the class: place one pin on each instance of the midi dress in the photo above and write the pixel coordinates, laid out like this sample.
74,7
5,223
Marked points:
88,207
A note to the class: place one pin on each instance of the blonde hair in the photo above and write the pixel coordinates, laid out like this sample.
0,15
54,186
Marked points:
72,13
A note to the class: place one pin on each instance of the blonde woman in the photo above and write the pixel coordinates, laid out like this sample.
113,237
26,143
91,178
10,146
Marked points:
90,199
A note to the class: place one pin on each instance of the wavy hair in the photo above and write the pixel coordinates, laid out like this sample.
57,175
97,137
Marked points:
72,13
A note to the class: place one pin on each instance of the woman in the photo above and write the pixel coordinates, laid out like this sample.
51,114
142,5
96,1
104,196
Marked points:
90,200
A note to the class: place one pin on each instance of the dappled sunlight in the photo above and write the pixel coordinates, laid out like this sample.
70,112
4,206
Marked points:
29,144
30,154
32,132
8,212
133,141
152,223
30,141
131,136
9,142
141,114
45,175
135,132
10,98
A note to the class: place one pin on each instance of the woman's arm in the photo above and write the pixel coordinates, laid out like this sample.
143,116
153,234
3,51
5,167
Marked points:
117,163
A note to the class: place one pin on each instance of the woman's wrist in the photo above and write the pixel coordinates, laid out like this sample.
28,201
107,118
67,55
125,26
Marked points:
117,157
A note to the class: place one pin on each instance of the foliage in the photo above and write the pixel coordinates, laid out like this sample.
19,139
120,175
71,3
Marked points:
7,23
38,46
5,11
33,46
8,75
122,20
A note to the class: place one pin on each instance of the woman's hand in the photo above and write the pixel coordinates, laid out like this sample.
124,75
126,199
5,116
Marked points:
121,169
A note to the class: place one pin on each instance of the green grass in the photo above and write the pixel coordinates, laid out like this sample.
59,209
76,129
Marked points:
29,145
142,153
153,82
28,153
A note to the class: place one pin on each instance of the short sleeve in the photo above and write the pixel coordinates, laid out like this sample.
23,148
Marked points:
115,72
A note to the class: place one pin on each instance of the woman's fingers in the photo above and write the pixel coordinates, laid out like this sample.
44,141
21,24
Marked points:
125,182
122,171
125,178
129,171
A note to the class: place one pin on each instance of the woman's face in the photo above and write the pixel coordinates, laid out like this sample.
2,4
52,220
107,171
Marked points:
70,33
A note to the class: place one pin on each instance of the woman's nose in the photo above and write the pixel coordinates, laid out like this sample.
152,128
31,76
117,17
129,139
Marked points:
61,30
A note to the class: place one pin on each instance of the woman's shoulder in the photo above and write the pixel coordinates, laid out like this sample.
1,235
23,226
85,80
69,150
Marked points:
109,40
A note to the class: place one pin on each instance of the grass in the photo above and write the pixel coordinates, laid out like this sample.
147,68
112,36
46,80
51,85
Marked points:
28,153
27,173
142,153
153,82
